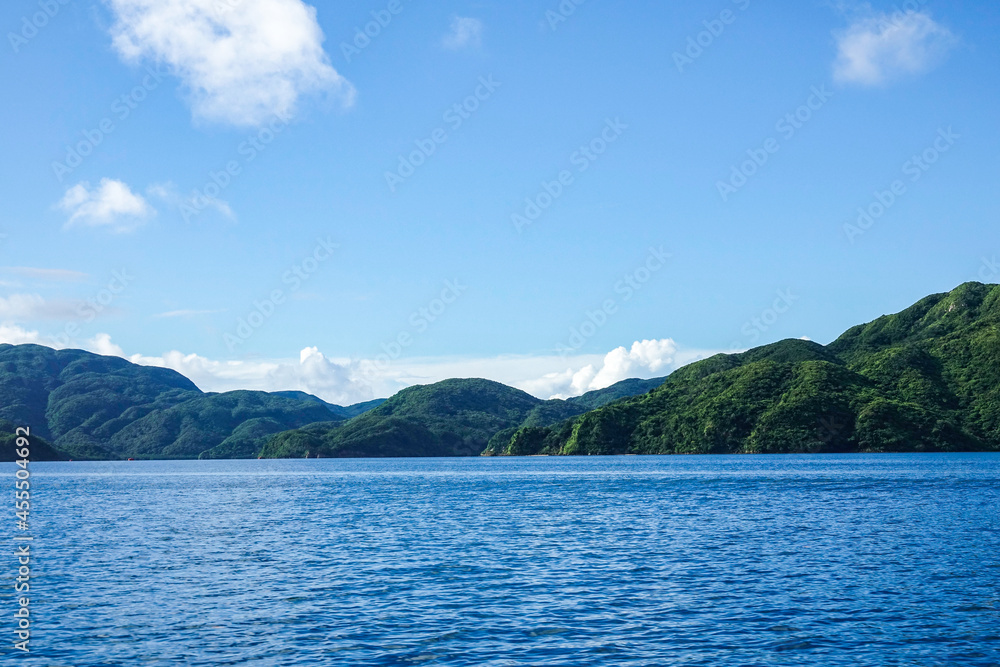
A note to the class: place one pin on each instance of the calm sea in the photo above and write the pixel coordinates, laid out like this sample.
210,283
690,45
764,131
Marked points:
755,560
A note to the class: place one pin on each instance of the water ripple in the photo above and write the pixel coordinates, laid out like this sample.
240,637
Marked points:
780,560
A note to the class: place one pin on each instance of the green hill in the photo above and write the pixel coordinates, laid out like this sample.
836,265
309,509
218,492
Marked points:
925,379
345,412
625,388
97,407
449,418
90,406
38,448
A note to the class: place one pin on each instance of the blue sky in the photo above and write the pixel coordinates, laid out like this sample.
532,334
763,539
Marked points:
553,196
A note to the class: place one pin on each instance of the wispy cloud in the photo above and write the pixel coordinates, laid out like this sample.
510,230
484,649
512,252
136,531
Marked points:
878,48
111,205
242,63
52,275
33,307
167,192
464,33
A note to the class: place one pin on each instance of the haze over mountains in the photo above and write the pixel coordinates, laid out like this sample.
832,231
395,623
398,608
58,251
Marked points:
925,379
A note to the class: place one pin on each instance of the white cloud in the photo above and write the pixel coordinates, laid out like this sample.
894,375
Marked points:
335,381
59,275
15,335
243,62
645,359
877,49
101,344
168,193
111,205
348,381
465,32
550,376
32,307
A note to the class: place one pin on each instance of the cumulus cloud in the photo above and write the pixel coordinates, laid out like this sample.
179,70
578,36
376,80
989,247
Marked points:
15,335
877,49
111,205
464,33
336,381
646,358
101,344
243,62
348,381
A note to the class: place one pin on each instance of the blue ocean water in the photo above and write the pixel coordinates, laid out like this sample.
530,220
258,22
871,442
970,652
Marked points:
751,560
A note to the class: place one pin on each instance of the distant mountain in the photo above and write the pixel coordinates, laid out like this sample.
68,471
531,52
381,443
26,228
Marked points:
87,406
98,407
450,418
341,411
631,387
926,379
349,411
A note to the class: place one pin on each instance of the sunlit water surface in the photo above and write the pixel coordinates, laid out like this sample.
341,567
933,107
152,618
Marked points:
763,560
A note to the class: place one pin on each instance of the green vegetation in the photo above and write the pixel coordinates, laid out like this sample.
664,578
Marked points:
450,418
599,397
344,412
38,448
95,407
926,379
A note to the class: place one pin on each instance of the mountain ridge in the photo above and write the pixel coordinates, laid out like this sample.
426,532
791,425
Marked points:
89,406
82,405
924,379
